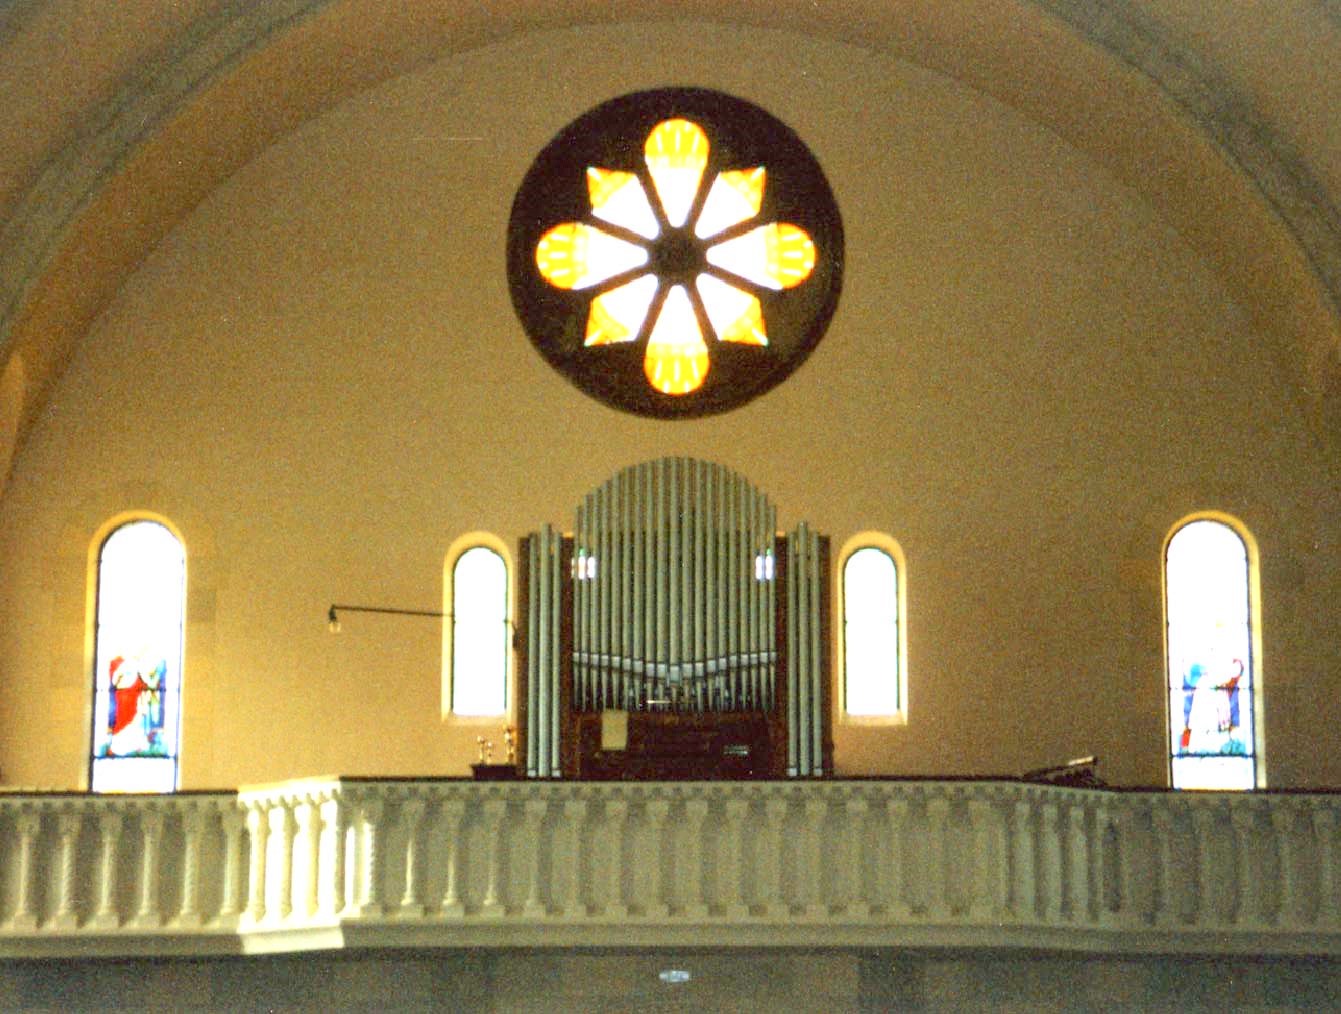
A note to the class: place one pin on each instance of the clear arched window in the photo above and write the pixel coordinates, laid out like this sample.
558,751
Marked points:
480,646
141,612
1212,679
872,653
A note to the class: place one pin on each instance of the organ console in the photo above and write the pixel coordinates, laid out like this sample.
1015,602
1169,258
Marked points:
674,634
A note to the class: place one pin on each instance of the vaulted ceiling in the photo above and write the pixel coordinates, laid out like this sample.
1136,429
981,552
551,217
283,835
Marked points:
118,118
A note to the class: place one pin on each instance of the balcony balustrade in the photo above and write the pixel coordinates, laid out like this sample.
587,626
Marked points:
325,863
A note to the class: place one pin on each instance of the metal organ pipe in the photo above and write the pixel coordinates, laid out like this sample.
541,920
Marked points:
793,680
816,653
674,596
533,680
547,619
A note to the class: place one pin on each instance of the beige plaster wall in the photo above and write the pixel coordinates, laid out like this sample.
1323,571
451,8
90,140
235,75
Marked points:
319,378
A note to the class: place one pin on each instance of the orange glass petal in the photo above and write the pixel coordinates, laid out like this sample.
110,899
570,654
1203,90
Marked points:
777,256
677,358
676,152
576,256
735,315
617,315
735,196
618,197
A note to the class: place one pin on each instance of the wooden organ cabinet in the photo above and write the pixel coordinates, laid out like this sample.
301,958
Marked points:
675,634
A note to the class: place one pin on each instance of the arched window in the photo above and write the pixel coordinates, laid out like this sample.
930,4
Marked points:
141,611
479,632
1210,609
873,657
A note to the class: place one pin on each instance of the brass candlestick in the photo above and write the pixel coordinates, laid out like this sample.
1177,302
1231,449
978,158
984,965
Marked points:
510,742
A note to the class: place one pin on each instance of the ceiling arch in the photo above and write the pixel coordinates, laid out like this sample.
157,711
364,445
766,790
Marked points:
153,106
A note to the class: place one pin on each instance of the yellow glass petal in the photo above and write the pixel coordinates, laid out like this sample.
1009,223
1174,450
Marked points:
735,314
735,196
618,197
676,152
617,315
777,256
577,256
677,358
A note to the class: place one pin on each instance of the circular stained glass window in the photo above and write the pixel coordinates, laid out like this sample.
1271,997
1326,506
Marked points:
675,252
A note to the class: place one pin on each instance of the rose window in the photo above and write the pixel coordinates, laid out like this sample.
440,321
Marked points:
675,252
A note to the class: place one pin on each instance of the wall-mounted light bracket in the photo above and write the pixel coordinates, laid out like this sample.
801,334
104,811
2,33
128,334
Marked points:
333,614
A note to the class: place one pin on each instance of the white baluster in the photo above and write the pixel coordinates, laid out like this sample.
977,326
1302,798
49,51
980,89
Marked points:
1108,872
986,865
105,916
690,873
282,829
1077,862
230,902
657,810
25,910
453,816
494,811
332,866
411,899
258,841
857,903
1203,827
896,814
1282,826
1324,832
1050,845
815,811
568,861
536,810
938,880
307,814
1165,905
768,895
732,863
188,911
616,811
68,826
1024,861
370,858
147,915
1248,907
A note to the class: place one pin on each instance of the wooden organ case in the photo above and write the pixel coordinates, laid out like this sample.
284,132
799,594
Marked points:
675,634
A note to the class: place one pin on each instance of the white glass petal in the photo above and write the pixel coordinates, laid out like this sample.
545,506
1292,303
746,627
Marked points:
617,315
776,256
574,255
734,197
618,197
676,153
677,358
735,315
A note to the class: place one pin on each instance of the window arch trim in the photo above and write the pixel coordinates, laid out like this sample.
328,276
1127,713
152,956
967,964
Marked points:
891,548
162,689
1254,668
459,548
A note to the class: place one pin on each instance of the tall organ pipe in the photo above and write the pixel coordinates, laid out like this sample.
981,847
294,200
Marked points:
533,658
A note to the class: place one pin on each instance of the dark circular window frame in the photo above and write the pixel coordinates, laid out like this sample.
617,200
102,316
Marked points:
611,136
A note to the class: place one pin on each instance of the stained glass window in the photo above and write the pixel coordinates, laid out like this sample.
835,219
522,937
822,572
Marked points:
871,677
480,633
1211,665
138,659
680,233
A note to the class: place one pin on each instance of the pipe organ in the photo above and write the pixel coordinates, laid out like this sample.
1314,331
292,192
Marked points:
674,634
